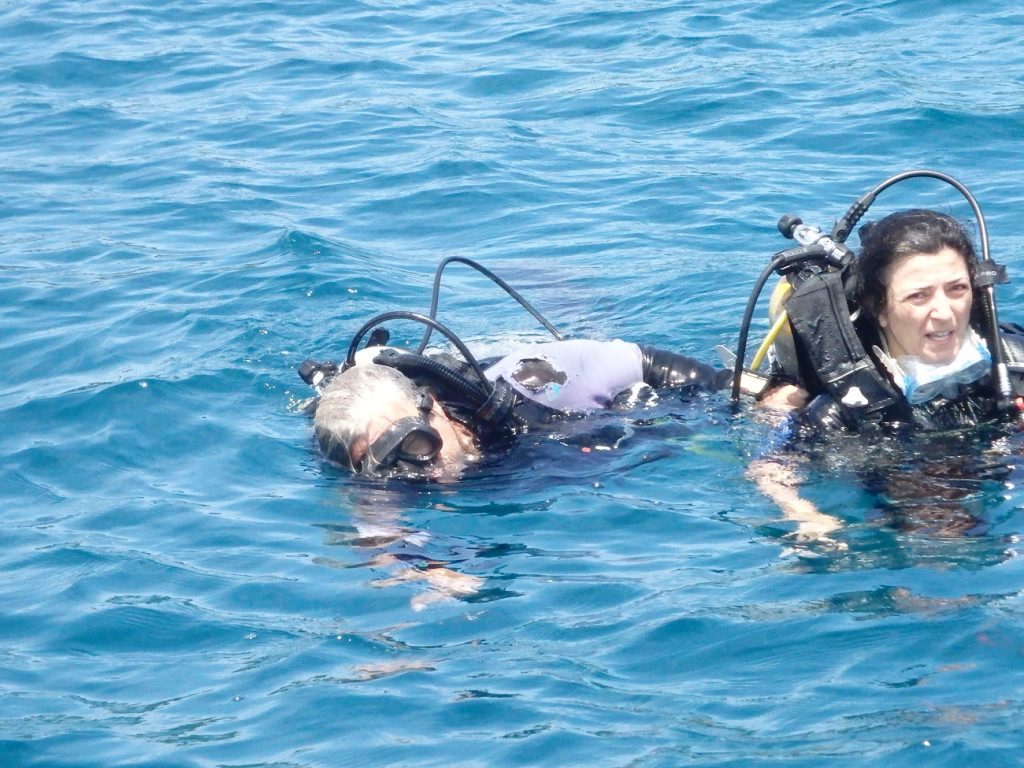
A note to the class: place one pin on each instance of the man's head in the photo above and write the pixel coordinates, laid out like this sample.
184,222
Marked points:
374,420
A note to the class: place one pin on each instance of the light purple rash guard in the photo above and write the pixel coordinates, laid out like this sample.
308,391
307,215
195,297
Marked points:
572,375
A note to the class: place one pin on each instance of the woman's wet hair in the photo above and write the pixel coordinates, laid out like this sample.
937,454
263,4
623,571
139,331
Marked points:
901,234
349,403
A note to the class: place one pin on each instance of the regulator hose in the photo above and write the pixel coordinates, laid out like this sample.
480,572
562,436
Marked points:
350,357
777,264
435,296
493,401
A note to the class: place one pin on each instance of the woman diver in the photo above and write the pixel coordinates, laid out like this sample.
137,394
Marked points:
914,285
901,338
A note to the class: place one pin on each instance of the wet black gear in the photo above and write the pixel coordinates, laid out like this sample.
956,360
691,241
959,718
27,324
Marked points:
669,369
975,404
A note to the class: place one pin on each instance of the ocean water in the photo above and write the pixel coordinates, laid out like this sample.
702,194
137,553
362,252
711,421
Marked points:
195,196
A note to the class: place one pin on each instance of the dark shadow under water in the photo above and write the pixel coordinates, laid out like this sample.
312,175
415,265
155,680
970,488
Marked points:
944,500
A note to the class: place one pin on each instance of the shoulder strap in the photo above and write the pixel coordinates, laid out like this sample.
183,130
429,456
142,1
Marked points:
821,323
1012,337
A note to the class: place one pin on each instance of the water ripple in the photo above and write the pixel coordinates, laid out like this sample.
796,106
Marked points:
196,197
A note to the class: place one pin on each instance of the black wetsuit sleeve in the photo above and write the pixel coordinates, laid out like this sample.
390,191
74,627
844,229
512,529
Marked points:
1013,348
669,369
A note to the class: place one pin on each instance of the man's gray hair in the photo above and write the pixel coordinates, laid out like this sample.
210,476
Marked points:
351,401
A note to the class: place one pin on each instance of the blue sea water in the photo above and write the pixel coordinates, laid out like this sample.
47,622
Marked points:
195,196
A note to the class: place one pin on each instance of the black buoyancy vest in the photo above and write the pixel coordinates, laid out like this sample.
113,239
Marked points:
833,359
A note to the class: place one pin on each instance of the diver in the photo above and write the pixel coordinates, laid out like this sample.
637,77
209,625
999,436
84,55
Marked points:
899,339
920,349
388,411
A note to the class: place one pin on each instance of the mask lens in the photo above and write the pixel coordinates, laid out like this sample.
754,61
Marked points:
420,445
925,392
409,440
924,382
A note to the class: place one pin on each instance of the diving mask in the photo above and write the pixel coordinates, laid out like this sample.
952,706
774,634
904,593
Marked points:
921,381
409,443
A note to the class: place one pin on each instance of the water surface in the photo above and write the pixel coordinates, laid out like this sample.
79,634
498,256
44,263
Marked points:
195,197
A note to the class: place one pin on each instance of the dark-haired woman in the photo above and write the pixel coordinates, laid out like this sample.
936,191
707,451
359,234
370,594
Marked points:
913,290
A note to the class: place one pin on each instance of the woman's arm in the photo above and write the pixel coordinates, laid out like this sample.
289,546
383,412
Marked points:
780,483
785,397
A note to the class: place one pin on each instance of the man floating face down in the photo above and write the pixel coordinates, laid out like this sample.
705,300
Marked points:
374,420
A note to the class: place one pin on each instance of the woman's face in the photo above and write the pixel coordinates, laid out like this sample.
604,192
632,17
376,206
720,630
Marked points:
927,306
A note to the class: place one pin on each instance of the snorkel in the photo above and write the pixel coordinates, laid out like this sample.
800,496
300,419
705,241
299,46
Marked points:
818,253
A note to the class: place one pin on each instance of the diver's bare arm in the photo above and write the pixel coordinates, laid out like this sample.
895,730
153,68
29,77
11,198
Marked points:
786,397
779,483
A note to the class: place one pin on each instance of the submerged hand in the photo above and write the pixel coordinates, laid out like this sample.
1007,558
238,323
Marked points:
779,483
788,397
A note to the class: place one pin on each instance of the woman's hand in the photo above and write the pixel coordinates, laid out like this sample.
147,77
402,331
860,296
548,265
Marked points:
787,397
779,483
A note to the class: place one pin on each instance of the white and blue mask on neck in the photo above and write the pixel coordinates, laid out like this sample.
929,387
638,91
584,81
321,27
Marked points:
921,381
